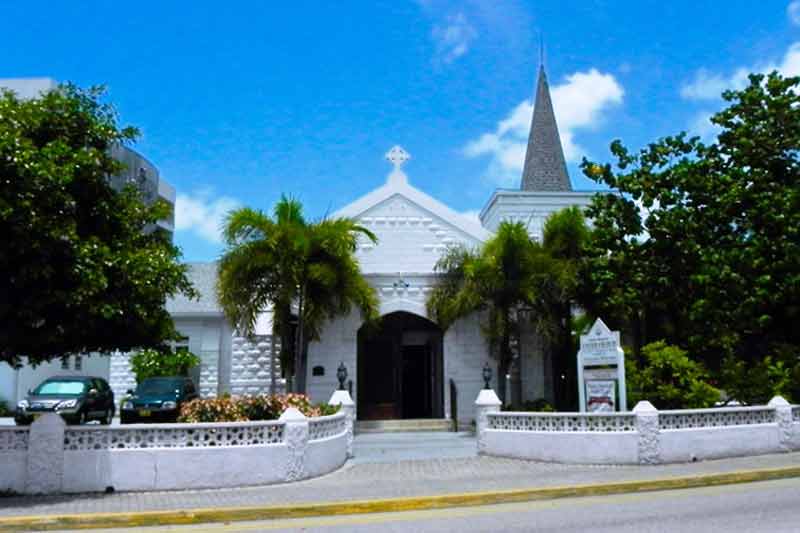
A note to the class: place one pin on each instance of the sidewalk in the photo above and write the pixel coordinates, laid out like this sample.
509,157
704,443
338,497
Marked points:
358,481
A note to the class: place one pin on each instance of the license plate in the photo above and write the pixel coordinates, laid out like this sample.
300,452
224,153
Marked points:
144,412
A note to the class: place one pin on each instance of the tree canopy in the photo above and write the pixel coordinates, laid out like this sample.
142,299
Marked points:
296,268
701,247
80,268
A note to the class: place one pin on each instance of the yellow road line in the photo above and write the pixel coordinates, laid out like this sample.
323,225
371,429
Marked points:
198,516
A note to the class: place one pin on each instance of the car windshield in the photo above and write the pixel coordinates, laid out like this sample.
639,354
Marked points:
159,386
61,388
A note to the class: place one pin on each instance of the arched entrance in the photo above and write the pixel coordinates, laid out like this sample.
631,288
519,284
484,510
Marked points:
400,369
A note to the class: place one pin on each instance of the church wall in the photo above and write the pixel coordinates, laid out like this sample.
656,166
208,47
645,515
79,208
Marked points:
532,365
532,209
409,238
465,353
338,343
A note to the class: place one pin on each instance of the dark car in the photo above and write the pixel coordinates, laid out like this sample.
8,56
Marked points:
76,399
157,400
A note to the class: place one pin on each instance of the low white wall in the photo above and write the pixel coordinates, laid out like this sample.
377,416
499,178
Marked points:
145,457
13,468
696,444
171,469
562,447
325,455
644,436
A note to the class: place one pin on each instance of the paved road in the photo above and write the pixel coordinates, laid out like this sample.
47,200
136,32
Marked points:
767,506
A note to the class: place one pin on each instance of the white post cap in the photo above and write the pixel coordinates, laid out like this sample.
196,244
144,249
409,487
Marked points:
292,414
644,407
341,397
488,397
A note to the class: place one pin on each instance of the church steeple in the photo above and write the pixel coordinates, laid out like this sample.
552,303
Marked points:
545,169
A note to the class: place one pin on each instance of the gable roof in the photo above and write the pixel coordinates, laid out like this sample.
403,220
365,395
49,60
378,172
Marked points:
204,278
397,184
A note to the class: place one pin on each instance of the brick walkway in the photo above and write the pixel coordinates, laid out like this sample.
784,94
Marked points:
387,475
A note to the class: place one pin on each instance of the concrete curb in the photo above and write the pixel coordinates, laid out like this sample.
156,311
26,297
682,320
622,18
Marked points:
233,514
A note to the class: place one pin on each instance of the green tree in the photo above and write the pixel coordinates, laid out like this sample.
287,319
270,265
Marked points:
669,379
150,363
701,247
557,280
299,269
497,279
80,268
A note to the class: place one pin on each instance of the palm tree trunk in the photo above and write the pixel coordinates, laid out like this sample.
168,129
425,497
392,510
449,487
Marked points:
299,367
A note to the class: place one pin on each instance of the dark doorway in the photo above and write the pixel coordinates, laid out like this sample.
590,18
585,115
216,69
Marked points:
400,371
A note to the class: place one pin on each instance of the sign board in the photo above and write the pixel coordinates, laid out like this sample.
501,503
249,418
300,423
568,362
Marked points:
601,370
601,396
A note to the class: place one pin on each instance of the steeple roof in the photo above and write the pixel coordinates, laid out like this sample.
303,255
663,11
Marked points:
545,169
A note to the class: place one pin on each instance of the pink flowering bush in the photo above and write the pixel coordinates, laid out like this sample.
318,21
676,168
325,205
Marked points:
244,408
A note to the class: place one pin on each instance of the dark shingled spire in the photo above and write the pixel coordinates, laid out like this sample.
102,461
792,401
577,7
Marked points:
545,169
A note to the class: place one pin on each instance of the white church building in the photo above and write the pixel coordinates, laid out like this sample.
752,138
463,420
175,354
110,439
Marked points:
411,368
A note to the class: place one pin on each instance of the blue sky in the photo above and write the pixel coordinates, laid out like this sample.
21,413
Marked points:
239,102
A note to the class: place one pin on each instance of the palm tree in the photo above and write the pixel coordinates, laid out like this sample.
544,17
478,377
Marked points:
498,279
558,288
288,264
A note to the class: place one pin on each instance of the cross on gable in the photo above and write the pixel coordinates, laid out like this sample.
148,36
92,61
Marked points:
397,156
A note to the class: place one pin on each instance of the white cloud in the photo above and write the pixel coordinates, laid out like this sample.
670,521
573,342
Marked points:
702,126
579,103
709,86
203,213
793,12
27,87
453,38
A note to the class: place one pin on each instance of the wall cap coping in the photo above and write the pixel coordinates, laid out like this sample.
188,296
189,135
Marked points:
487,397
778,401
341,397
292,414
645,407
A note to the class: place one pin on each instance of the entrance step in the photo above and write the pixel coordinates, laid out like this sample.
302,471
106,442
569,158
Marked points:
392,426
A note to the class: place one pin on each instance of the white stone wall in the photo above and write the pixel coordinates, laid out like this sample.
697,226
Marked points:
338,344
250,365
532,366
121,377
530,208
465,353
410,238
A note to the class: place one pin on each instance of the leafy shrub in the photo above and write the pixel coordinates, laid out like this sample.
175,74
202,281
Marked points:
540,405
151,363
755,383
4,410
242,408
669,379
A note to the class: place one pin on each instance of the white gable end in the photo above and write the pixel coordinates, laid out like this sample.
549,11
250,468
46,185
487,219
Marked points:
413,229
410,238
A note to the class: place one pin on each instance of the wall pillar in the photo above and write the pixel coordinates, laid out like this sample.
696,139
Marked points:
46,455
649,435
345,402
295,435
783,417
487,402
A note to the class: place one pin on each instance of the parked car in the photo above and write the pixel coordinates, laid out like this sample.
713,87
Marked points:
157,400
77,399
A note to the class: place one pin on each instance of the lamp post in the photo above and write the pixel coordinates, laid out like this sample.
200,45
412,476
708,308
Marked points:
341,375
487,376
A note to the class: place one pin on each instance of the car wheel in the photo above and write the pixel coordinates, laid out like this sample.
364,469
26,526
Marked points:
106,421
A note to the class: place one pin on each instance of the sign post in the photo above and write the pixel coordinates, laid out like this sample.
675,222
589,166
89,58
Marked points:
601,371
